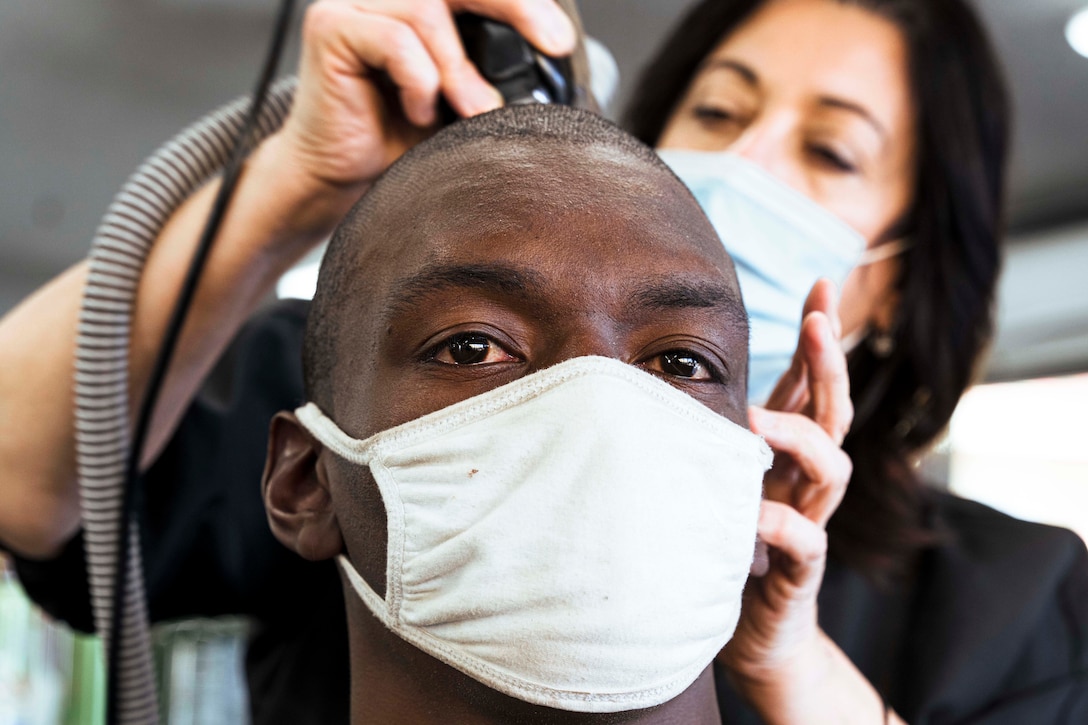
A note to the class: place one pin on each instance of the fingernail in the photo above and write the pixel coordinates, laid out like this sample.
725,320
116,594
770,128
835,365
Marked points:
421,114
559,33
484,99
829,332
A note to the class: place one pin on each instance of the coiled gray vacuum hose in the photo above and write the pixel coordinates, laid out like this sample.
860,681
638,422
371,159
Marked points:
118,253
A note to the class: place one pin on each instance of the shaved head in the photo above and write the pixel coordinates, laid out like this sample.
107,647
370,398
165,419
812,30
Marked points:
502,174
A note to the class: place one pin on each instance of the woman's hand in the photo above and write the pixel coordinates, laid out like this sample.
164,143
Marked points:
778,657
805,421
372,72
370,77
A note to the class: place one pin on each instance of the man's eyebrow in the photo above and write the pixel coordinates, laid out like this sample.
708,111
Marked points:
672,294
499,279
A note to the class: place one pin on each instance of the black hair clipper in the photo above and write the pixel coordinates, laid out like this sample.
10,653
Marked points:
507,61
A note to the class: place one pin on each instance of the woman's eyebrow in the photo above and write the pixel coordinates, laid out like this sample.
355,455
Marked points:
496,278
857,109
747,74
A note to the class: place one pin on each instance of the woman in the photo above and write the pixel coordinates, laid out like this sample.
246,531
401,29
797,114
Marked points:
877,140
944,190
891,116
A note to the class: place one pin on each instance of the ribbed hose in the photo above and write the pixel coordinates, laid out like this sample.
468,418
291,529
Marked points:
118,253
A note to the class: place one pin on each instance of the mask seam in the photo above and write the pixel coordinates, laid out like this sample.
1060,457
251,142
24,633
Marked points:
373,602
520,391
395,536
509,684
518,687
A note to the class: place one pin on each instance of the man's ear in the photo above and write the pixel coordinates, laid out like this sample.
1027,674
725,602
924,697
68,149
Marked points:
296,493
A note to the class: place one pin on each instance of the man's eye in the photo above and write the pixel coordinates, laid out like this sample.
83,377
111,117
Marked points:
681,364
470,348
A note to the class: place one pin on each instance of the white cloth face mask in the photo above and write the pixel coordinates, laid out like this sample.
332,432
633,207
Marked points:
781,243
577,539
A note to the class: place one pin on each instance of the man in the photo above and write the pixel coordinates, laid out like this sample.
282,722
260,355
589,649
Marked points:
509,244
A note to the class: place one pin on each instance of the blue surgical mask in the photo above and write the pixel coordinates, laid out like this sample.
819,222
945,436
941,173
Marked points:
781,242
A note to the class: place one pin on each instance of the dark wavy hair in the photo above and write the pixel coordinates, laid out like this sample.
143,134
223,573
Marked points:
903,400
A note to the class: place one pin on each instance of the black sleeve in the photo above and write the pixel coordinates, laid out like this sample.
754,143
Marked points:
1000,625
1048,679
207,548
59,586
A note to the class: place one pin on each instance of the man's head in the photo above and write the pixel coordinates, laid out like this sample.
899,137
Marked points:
502,246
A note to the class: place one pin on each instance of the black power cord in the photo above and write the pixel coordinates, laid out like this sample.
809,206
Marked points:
133,478
505,59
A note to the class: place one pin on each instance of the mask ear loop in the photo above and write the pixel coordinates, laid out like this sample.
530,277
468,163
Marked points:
883,251
365,453
881,342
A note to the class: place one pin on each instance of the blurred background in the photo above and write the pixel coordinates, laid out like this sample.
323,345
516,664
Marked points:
89,87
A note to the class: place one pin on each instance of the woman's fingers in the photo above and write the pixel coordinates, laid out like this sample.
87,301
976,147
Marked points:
801,541
818,381
341,40
828,377
823,297
344,128
824,468
792,392
825,361
433,24
542,22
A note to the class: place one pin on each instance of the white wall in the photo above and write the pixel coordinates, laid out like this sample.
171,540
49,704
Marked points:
1043,306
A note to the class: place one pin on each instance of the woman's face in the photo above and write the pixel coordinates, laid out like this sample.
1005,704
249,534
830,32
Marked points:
818,94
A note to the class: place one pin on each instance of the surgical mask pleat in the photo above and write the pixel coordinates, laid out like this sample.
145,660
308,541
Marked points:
781,243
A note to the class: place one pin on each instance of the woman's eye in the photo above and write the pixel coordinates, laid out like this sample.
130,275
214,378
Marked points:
833,159
713,114
680,364
470,348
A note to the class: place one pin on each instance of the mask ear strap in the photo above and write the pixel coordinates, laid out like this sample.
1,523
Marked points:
852,339
377,606
885,251
329,435
362,453
883,342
